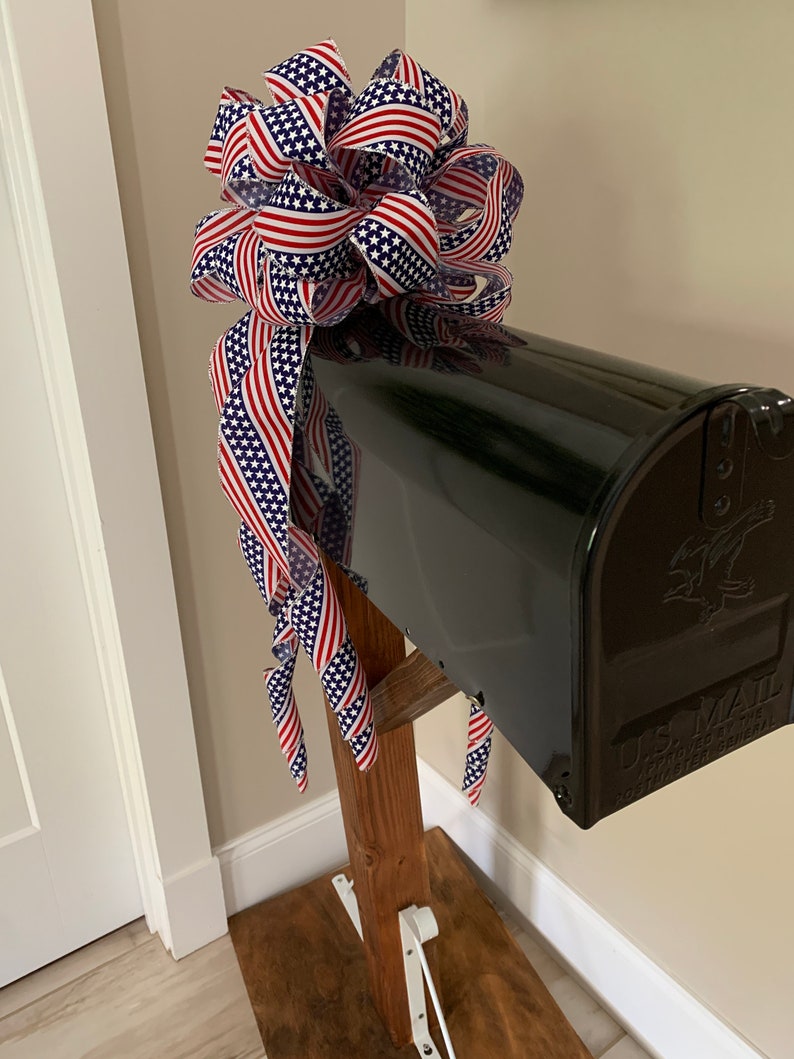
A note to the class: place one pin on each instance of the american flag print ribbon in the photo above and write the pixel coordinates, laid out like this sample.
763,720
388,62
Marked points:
337,205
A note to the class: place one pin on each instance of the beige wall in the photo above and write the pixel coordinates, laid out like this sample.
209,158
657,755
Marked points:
164,63
655,141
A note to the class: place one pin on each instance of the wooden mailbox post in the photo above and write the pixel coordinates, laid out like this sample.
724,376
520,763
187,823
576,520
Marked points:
316,990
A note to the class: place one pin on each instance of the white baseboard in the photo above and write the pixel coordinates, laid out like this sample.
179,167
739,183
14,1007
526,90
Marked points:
187,909
285,853
193,906
655,1009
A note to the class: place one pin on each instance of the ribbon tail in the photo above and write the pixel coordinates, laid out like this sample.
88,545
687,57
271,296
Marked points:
278,682
346,689
478,752
321,627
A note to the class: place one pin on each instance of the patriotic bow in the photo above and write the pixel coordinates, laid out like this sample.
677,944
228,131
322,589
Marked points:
338,201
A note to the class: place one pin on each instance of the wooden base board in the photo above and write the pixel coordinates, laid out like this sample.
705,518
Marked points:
305,973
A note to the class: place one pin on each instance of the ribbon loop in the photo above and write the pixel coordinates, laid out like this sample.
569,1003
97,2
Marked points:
447,104
399,241
391,118
305,232
294,131
317,69
213,245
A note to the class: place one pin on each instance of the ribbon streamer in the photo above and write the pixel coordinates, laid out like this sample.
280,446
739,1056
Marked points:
338,204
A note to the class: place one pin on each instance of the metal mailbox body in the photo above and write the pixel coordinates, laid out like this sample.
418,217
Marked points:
601,550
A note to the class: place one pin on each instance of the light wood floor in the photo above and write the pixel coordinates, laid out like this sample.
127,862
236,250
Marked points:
605,1038
125,998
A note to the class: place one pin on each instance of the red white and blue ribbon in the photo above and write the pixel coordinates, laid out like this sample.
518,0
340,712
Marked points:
338,204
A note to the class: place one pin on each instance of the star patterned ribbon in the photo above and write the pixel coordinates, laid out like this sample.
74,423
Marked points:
337,202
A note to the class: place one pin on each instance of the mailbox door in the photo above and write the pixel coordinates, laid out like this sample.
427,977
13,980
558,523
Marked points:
687,624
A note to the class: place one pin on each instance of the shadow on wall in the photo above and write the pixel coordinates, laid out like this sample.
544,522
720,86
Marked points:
128,153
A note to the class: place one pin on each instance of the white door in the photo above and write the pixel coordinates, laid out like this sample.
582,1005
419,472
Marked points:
67,873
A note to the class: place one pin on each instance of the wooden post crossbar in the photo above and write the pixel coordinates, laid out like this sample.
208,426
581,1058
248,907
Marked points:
409,691
316,990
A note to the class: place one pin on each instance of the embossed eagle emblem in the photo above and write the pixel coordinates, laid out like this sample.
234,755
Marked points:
703,566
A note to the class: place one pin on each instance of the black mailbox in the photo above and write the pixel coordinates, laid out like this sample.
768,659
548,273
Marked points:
600,550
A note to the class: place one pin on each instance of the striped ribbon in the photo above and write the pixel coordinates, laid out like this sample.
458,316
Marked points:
338,204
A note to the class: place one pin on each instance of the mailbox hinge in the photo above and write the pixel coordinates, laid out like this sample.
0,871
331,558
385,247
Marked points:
417,925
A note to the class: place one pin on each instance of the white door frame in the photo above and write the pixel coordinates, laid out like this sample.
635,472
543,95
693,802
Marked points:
61,175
